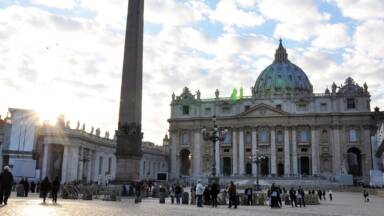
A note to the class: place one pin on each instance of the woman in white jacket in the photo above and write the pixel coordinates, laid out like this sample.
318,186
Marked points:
199,193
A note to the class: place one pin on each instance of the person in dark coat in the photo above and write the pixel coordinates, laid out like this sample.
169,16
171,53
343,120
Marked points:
292,196
274,196
215,190
301,195
45,186
6,180
207,195
232,195
26,187
33,187
55,189
319,193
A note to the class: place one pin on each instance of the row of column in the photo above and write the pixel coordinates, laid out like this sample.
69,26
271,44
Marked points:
290,152
238,152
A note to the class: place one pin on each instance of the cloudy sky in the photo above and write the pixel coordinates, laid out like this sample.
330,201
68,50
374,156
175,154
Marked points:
65,56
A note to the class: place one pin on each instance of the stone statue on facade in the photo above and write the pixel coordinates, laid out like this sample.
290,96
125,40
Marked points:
217,93
365,87
67,124
173,96
83,128
106,135
98,132
198,95
334,87
92,129
78,125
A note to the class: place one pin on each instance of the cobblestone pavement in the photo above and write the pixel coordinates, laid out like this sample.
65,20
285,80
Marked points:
344,204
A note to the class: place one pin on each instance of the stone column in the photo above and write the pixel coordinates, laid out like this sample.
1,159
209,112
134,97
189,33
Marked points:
273,152
129,136
336,151
254,149
287,159
174,141
241,152
196,155
81,163
45,162
366,155
315,153
234,152
65,165
294,152
89,166
217,158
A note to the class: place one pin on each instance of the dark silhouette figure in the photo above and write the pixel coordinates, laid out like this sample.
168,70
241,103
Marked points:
26,187
248,192
33,187
44,188
55,189
274,193
301,195
215,190
292,196
232,195
6,180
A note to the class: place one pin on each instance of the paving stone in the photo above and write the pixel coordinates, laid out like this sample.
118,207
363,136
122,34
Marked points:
343,204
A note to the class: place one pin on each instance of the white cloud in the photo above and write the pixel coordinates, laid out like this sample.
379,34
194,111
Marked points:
63,4
361,9
369,38
332,36
237,13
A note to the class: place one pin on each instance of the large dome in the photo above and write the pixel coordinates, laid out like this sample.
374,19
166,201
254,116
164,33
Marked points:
282,77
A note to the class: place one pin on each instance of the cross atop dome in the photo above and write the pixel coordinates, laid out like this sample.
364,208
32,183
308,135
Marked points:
281,53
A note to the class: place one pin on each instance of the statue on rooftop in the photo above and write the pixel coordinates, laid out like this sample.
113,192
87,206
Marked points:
83,128
92,129
334,87
98,132
198,95
78,125
217,93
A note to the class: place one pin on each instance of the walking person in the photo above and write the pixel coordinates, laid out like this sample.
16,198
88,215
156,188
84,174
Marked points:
6,180
26,187
274,196
232,195
248,193
44,188
199,194
172,193
33,187
55,189
301,196
178,191
215,190
330,195
324,198
366,196
292,196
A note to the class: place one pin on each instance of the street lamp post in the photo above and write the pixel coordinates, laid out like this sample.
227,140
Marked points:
256,159
213,135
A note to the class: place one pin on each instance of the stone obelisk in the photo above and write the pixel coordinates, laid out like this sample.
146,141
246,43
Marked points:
129,135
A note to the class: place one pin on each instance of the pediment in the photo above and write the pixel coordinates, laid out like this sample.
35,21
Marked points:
263,110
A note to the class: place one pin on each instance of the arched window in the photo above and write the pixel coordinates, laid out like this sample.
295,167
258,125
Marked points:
264,136
352,135
324,135
185,138
248,138
303,136
280,136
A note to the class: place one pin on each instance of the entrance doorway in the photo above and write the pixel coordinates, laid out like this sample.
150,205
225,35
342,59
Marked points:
248,169
227,166
264,166
354,162
280,169
304,165
185,160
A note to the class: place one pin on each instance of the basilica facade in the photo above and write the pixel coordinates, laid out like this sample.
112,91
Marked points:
296,131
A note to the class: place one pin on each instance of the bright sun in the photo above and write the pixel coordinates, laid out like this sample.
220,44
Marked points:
47,114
